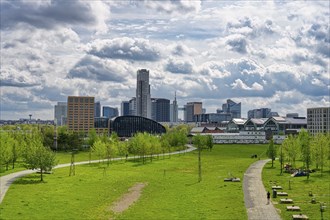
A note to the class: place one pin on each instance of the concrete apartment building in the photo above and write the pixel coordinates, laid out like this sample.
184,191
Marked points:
80,113
318,120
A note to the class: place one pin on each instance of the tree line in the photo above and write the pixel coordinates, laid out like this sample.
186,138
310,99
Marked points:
34,145
311,150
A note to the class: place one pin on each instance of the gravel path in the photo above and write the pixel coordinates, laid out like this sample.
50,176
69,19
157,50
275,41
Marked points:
255,195
6,181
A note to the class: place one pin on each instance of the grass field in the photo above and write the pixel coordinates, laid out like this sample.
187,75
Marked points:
299,192
173,191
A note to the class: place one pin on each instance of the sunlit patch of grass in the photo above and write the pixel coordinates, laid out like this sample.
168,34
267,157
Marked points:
173,190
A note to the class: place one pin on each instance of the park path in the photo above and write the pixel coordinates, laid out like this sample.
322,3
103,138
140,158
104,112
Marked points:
255,195
7,180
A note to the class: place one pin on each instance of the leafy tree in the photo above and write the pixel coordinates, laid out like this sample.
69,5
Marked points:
123,149
92,137
319,147
47,133
62,138
99,148
271,152
209,142
304,143
291,151
37,156
6,149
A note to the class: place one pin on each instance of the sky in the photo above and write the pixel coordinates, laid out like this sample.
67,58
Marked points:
264,54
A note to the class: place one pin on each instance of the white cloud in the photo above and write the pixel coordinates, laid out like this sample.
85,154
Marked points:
264,53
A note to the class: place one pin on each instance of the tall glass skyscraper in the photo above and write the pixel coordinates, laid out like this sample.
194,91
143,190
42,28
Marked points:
143,100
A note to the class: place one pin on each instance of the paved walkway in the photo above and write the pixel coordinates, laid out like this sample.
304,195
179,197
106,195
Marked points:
6,181
255,195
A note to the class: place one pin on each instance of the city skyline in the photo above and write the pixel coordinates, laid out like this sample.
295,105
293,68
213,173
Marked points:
270,54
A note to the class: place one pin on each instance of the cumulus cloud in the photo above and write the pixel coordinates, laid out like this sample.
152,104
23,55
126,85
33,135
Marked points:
49,14
179,66
170,6
95,68
237,43
239,84
11,77
126,48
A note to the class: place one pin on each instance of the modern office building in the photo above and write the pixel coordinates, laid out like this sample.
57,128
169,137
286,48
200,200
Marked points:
231,107
128,126
174,110
109,112
124,110
132,106
60,113
143,99
318,120
259,113
160,109
102,125
80,114
192,109
212,118
97,109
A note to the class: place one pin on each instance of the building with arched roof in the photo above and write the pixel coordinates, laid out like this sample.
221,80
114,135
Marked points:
128,126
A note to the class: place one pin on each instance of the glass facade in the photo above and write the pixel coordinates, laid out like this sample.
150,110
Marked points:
127,126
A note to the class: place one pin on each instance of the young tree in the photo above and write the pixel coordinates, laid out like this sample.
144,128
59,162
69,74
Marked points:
199,141
319,150
209,142
271,152
37,156
99,148
6,149
304,142
291,149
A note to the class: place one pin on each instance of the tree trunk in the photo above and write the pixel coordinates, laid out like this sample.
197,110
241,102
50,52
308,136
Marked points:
41,177
199,165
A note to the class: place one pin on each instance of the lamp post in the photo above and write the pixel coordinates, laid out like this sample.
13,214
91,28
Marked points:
322,209
281,160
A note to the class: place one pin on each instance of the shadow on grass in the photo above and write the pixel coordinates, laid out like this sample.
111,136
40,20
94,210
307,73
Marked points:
270,168
191,184
28,181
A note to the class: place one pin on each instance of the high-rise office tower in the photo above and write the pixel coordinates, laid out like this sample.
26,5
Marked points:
80,113
160,109
124,108
231,107
143,100
109,112
174,110
132,106
191,109
60,113
97,110
259,113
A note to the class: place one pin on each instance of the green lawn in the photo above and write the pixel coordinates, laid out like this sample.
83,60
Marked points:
299,192
172,191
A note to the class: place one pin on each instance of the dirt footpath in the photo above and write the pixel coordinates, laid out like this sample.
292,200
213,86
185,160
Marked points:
128,199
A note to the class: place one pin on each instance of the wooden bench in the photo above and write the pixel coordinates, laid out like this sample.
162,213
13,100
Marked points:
300,216
286,200
276,187
293,208
282,193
